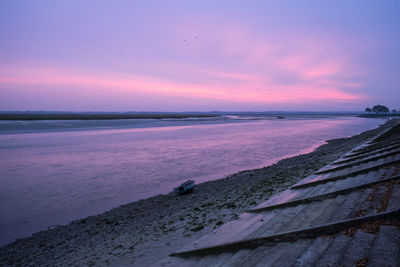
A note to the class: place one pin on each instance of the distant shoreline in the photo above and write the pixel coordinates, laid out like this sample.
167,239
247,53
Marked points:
82,115
70,116
101,116
389,115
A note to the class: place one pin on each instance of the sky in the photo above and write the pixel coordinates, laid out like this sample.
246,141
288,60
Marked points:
298,55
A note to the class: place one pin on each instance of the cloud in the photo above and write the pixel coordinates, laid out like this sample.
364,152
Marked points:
226,63
230,86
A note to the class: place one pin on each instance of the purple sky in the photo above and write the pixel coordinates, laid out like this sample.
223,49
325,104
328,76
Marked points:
209,55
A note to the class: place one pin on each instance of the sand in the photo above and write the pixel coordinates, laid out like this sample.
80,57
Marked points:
145,231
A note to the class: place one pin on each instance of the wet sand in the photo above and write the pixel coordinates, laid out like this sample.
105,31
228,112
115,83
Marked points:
143,232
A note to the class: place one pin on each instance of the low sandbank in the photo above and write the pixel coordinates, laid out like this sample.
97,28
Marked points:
142,232
98,116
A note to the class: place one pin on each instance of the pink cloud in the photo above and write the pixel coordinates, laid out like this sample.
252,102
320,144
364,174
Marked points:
241,67
251,90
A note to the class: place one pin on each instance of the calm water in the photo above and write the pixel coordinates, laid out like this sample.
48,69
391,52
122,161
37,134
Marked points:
54,176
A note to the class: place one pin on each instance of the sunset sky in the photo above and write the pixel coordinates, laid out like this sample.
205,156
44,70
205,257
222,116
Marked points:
199,55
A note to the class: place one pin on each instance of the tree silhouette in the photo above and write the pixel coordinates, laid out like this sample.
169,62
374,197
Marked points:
380,109
368,110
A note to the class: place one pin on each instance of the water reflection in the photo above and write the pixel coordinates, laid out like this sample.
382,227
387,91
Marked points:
51,178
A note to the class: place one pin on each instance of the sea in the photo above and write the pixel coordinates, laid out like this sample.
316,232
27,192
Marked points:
54,172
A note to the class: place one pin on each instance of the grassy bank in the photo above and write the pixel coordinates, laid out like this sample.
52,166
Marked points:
388,115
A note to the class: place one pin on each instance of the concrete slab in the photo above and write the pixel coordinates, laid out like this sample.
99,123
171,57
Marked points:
386,249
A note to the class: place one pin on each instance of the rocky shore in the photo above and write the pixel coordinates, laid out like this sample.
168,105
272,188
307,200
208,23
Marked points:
143,232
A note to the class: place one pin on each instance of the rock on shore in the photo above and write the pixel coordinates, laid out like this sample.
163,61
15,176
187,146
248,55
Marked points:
143,232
